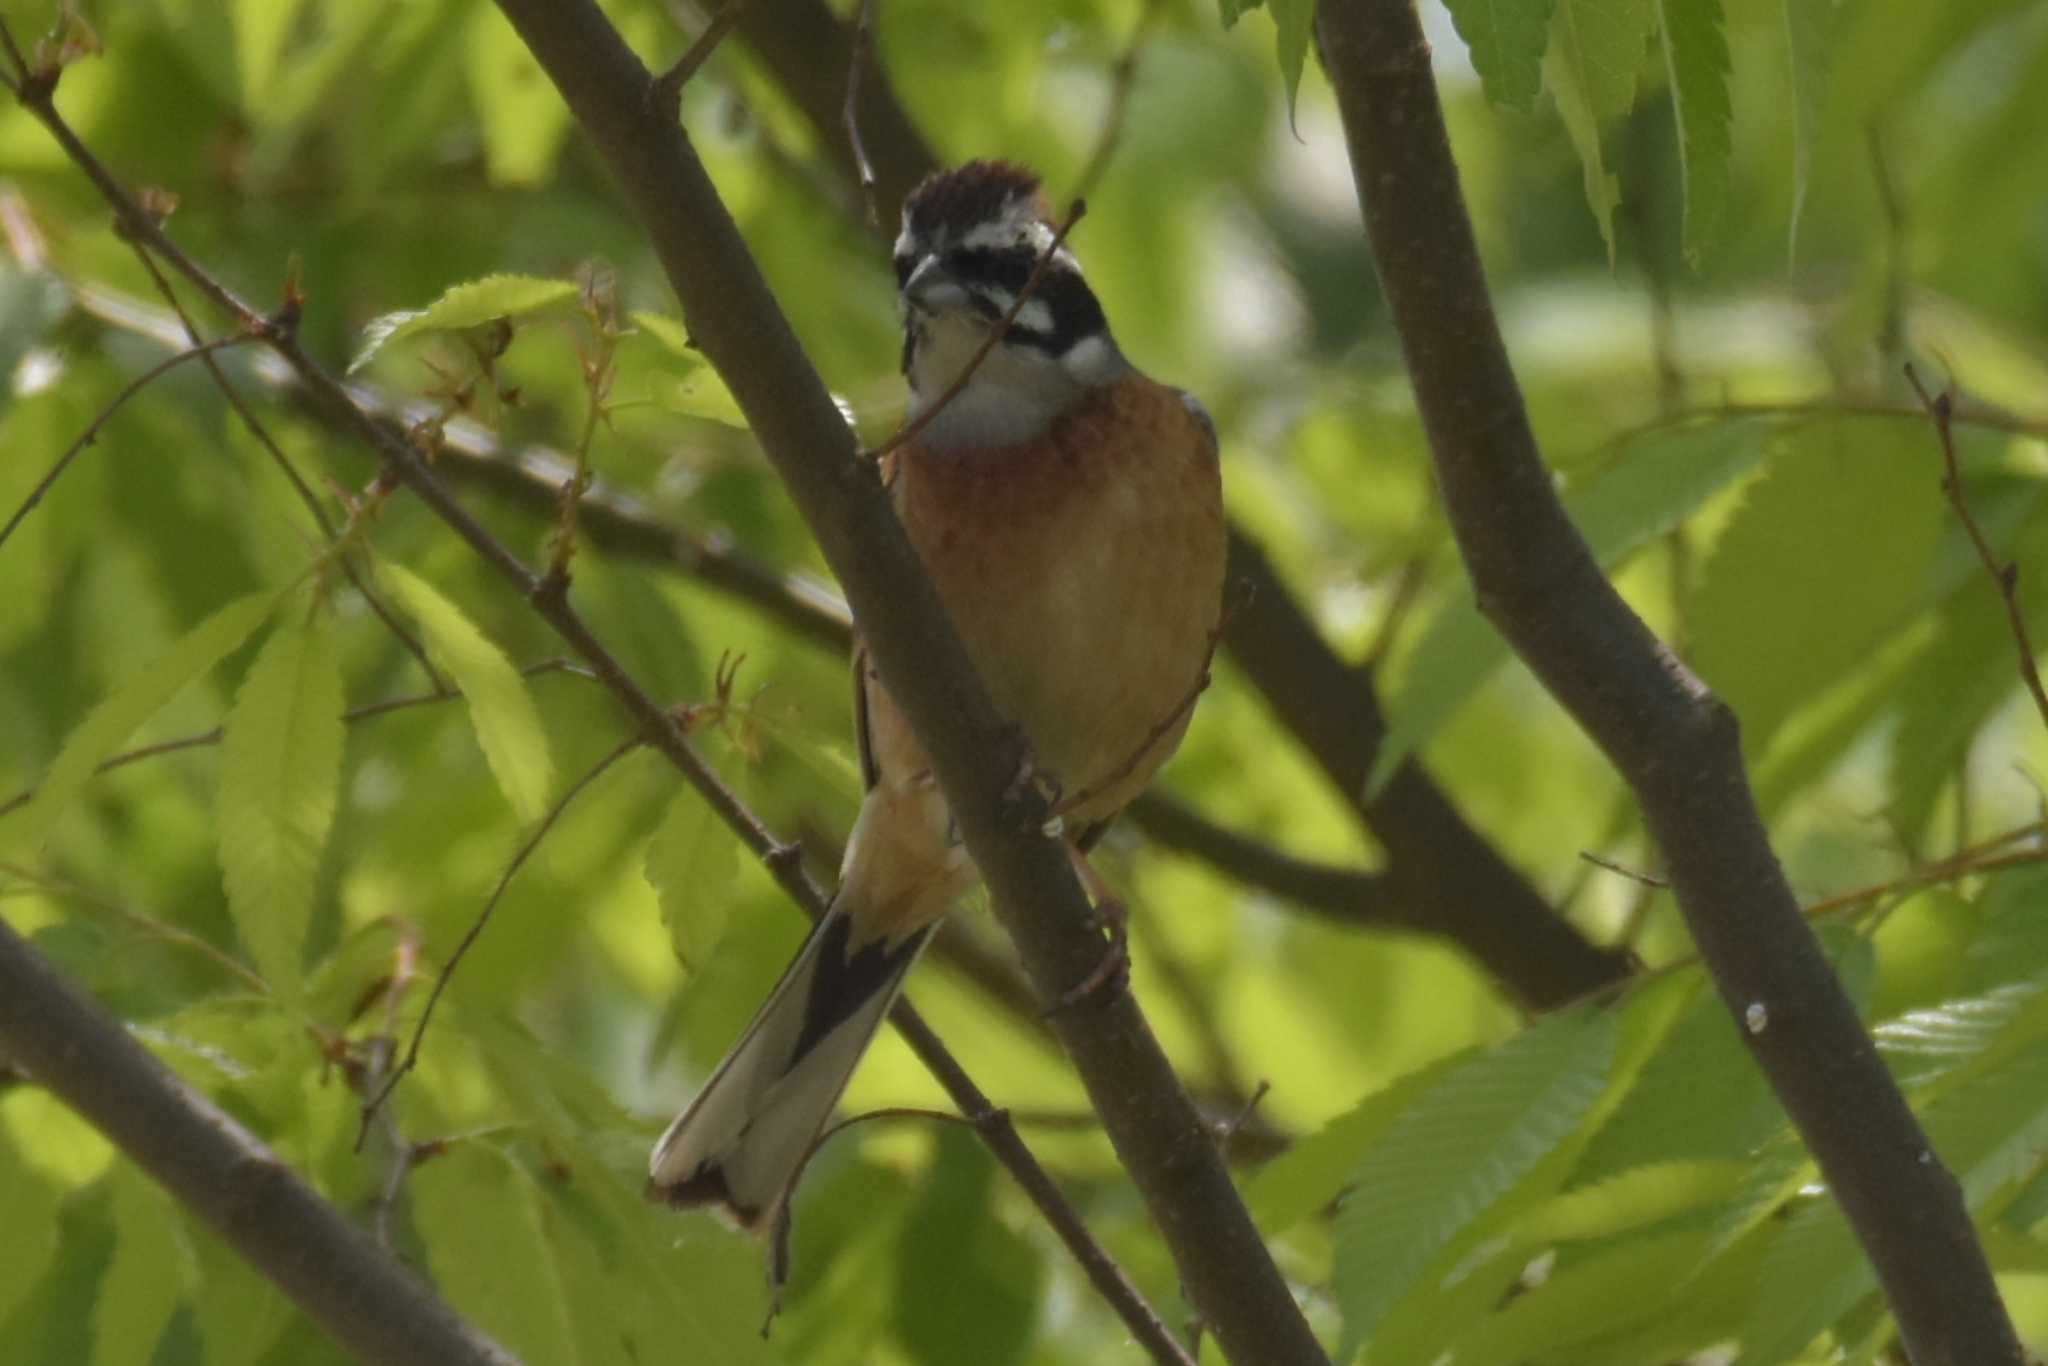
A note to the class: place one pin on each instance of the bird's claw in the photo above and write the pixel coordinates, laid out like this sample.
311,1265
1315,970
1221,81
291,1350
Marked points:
1112,975
1029,782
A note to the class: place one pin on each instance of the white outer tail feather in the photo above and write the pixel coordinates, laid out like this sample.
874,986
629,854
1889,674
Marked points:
742,1140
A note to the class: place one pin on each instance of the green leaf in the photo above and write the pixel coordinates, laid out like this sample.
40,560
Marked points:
1696,57
1574,107
1614,1289
993,1279
692,863
154,1269
1293,22
490,1241
1791,597
1650,487
523,117
280,768
1453,1155
500,706
29,1205
471,304
1809,45
107,728
1314,1171
1595,52
1630,1200
1506,38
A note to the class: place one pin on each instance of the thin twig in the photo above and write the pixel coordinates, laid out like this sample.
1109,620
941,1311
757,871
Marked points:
92,431
912,429
856,68
1941,411
284,465
667,91
1632,874
148,924
375,1104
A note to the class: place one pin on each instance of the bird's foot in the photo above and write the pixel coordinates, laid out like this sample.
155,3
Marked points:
1032,795
1112,975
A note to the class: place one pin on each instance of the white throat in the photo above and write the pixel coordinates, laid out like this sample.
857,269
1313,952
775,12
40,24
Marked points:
1014,395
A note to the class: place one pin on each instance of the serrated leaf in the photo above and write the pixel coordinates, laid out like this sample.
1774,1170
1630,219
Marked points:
280,768
1506,39
1696,58
109,724
1791,597
1595,52
1462,1147
1648,489
692,863
500,706
470,304
490,1243
1574,108
153,1269
1314,1171
1809,46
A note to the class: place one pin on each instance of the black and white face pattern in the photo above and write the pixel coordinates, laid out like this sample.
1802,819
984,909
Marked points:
971,238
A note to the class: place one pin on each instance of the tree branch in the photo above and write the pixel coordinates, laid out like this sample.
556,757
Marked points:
1675,743
1225,1267
335,1272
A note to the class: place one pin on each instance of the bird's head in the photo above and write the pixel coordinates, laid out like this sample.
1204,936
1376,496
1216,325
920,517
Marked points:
971,238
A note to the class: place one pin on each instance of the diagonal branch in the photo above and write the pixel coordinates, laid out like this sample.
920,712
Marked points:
334,1271
1668,735
1229,1275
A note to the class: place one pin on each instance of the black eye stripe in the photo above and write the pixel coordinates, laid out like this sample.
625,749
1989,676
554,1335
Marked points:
1008,268
903,265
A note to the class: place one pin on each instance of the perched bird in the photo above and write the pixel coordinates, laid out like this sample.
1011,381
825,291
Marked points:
1069,512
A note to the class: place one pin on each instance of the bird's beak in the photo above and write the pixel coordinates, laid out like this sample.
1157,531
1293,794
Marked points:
931,288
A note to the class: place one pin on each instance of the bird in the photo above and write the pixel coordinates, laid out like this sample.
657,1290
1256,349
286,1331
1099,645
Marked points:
1068,510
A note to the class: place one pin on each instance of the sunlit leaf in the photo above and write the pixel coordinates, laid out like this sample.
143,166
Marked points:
465,305
1791,598
153,1269
262,28
490,1242
500,705
1460,1148
114,720
280,767
692,862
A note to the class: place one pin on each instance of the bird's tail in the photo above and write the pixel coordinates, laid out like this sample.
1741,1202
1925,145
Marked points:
741,1141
